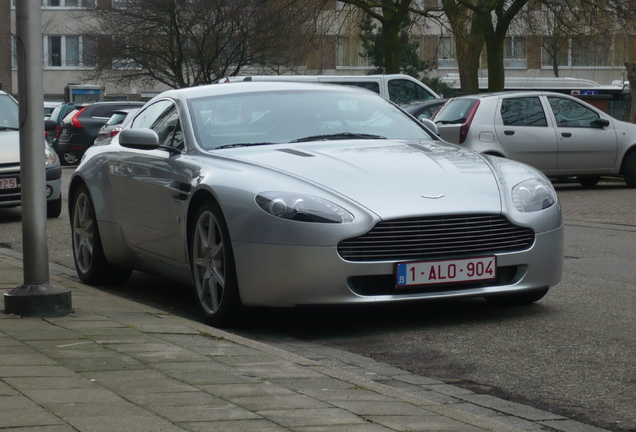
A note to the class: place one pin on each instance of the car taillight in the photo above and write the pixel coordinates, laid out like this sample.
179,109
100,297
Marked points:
115,131
463,129
75,120
58,131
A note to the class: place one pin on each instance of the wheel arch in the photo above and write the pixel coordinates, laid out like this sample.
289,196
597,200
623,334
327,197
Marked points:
198,198
75,183
626,155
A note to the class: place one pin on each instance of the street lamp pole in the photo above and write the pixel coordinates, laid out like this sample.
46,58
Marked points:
37,297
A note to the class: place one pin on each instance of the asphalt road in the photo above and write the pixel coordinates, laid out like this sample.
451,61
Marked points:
572,353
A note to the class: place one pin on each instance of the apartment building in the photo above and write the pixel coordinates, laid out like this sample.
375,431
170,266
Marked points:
527,55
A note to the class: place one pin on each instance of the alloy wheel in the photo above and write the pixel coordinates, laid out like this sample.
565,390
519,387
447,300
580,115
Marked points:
208,257
83,233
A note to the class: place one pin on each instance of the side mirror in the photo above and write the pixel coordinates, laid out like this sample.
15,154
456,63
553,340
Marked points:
430,124
49,125
142,139
601,123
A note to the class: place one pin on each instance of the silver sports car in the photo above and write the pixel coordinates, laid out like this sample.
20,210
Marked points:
284,194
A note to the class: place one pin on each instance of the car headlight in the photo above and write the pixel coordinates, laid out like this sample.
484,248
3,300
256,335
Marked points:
533,195
305,208
51,156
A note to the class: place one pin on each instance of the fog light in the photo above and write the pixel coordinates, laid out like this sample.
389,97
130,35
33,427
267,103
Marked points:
49,191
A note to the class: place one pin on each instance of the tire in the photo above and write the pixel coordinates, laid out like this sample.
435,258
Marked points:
69,158
629,169
54,208
213,269
90,262
588,182
523,298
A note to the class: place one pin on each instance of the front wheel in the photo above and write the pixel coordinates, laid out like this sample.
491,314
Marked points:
54,208
213,269
523,298
629,169
90,262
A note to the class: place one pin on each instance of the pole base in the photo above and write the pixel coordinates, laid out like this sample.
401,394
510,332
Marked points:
44,300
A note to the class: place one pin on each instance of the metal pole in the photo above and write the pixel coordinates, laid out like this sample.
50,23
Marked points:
36,296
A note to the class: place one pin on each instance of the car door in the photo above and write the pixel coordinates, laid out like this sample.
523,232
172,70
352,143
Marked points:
146,180
586,138
525,132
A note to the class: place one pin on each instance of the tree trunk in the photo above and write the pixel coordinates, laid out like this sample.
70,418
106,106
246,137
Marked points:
392,47
496,73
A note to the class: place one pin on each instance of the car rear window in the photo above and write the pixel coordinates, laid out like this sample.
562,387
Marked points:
455,111
116,118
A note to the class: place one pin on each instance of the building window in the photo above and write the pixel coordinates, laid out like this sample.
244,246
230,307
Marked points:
446,57
14,51
584,52
348,54
68,3
515,52
68,52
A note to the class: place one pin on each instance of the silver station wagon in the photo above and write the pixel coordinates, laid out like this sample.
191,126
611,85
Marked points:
559,134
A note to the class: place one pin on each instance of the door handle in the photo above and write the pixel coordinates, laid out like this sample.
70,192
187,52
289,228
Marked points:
566,134
509,132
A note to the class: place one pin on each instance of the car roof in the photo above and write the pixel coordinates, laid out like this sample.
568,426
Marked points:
511,93
253,86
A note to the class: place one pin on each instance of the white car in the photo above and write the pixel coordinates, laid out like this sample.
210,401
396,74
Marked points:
559,134
10,178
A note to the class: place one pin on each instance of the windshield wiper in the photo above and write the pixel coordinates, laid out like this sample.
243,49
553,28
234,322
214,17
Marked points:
338,136
242,145
2,128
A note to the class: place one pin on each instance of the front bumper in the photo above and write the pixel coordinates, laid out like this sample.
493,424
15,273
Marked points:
280,275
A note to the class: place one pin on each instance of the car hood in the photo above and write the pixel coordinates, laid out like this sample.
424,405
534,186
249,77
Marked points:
9,147
390,178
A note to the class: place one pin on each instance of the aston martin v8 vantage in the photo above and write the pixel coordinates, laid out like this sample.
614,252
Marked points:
285,194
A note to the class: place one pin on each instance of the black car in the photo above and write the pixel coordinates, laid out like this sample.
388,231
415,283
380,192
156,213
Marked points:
58,114
81,126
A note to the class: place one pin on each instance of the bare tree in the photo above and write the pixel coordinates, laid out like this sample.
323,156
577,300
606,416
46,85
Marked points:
182,43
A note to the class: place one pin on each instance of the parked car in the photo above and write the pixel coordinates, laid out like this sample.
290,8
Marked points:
285,193
423,109
57,115
398,88
48,109
115,124
559,134
80,127
10,176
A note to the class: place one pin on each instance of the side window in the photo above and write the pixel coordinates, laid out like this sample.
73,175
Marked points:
168,128
163,118
401,90
525,111
569,113
150,114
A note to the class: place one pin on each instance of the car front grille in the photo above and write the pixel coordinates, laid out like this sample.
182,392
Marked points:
437,237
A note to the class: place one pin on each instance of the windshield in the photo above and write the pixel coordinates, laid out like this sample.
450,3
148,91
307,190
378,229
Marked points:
286,116
454,111
9,117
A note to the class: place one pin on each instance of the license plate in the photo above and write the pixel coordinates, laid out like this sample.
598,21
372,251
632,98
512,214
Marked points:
447,271
9,183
